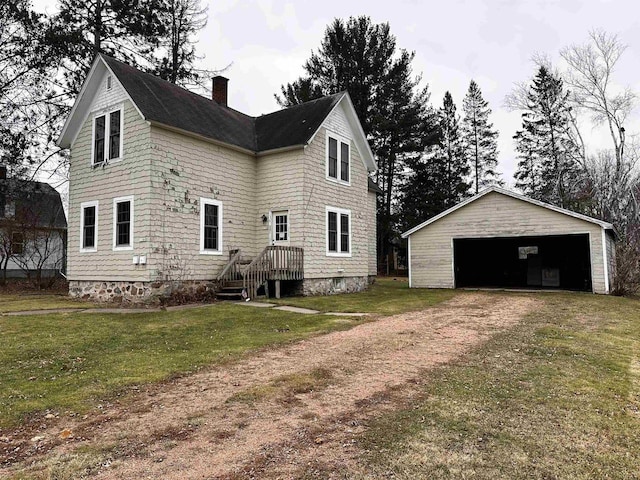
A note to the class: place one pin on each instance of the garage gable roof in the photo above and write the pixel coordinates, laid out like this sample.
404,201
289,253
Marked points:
508,193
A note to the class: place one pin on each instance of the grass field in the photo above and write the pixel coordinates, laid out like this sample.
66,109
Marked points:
33,301
556,397
73,361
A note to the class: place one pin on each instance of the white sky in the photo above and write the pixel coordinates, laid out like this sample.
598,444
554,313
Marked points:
491,41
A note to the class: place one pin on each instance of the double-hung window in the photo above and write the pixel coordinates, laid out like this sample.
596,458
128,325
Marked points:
89,226
338,158
210,226
123,223
17,243
107,137
338,232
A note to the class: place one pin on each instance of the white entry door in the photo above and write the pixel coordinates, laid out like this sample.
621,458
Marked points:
280,227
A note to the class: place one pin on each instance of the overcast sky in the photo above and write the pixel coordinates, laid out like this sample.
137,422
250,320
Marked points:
492,41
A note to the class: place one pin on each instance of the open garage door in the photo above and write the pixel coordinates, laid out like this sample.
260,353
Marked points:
554,261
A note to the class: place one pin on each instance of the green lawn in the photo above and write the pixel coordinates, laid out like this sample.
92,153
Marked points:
556,397
72,361
386,297
36,301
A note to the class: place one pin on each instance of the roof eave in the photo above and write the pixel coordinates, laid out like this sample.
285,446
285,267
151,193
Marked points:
204,138
605,225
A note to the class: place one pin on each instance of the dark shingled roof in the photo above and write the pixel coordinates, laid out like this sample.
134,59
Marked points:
163,102
36,200
294,125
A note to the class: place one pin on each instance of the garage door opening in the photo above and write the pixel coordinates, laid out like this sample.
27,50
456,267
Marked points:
545,262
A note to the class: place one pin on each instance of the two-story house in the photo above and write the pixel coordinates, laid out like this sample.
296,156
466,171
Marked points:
170,189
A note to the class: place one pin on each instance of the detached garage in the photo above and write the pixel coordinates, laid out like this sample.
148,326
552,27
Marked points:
499,239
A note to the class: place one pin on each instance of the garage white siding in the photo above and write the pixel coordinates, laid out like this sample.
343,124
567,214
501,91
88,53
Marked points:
494,214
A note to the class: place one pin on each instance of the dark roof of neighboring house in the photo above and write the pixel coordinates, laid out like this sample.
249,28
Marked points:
36,199
166,103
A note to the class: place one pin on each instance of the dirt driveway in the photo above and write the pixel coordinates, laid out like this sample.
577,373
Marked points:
286,412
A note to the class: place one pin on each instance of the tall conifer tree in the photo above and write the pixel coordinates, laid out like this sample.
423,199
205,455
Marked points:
480,139
361,57
438,180
547,169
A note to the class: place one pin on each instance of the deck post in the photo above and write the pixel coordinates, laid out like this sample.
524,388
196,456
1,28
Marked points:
277,288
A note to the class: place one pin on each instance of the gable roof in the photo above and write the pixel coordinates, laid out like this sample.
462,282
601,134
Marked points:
166,104
508,193
34,200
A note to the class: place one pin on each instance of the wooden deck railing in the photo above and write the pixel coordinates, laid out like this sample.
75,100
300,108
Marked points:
232,270
275,262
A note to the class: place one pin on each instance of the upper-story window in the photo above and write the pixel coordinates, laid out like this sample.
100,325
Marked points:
107,137
338,158
109,82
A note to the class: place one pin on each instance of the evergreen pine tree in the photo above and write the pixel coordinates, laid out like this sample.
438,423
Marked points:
361,57
547,169
480,139
438,179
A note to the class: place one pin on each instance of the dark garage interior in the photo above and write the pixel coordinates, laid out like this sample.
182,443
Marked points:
544,262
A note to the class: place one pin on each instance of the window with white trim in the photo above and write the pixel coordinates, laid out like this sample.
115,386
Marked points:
210,226
338,232
338,158
123,223
107,137
89,226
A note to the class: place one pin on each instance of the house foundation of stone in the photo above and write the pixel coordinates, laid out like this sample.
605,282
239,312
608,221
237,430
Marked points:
140,292
335,285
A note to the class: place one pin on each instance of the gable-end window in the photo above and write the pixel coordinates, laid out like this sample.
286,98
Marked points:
98,139
17,243
89,226
109,82
107,137
210,226
114,135
338,158
123,223
338,232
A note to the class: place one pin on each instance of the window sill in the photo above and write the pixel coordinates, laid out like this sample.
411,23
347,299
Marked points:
122,248
88,250
210,252
339,182
106,163
339,254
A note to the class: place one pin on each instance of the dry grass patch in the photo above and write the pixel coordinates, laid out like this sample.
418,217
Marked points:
555,397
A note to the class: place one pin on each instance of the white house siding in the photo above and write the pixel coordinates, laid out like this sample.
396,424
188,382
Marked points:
130,176
320,193
279,187
184,169
53,255
494,215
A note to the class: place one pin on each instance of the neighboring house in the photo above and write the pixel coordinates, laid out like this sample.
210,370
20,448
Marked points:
32,229
502,239
171,188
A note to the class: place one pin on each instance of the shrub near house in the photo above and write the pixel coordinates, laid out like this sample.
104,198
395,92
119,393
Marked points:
167,186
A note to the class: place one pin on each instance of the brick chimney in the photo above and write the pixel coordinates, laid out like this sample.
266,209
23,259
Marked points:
219,91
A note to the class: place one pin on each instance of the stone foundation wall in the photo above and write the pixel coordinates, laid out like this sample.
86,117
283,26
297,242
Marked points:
331,286
139,292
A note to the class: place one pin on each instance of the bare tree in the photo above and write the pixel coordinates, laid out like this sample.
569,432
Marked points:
591,66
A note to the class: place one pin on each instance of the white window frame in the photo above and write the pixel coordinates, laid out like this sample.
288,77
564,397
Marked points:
116,201
217,203
107,122
340,139
83,205
338,211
